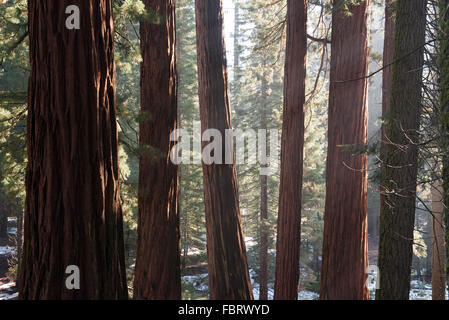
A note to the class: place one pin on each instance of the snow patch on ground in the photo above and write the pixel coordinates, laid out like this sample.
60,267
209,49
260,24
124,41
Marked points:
8,286
4,251
199,281
7,291
250,242
200,284
421,291
308,295
6,296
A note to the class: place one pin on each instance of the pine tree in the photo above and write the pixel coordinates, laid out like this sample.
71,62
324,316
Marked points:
438,244
257,104
193,228
400,168
443,65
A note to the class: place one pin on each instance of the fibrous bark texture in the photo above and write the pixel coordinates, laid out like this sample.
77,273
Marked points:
263,253
438,244
292,149
443,65
399,171
158,267
345,223
226,251
73,213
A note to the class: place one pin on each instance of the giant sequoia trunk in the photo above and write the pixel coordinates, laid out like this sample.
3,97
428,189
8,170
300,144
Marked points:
401,154
443,65
158,268
345,222
292,149
73,213
226,251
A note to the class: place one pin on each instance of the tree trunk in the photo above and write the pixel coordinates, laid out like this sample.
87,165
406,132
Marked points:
292,149
158,265
263,277
401,154
443,65
3,225
345,240
263,254
19,243
73,212
226,251
438,244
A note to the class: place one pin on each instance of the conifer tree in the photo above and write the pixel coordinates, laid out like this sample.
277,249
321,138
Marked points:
345,240
158,268
400,168
73,212
226,250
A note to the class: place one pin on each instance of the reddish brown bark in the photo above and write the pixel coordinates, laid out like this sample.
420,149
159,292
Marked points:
73,213
158,267
292,149
345,223
263,254
226,251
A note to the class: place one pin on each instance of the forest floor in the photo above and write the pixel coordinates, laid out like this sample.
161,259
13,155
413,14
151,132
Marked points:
195,277
7,287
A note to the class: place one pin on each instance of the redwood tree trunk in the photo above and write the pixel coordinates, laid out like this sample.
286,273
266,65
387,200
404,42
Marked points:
400,167
345,252
73,213
158,266
292,149
226,251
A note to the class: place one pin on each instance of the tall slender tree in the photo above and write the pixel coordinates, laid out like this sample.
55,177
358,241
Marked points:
289,219
400,166
226,251
263,253
443,65
345,238
73,212
158,268
438,244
